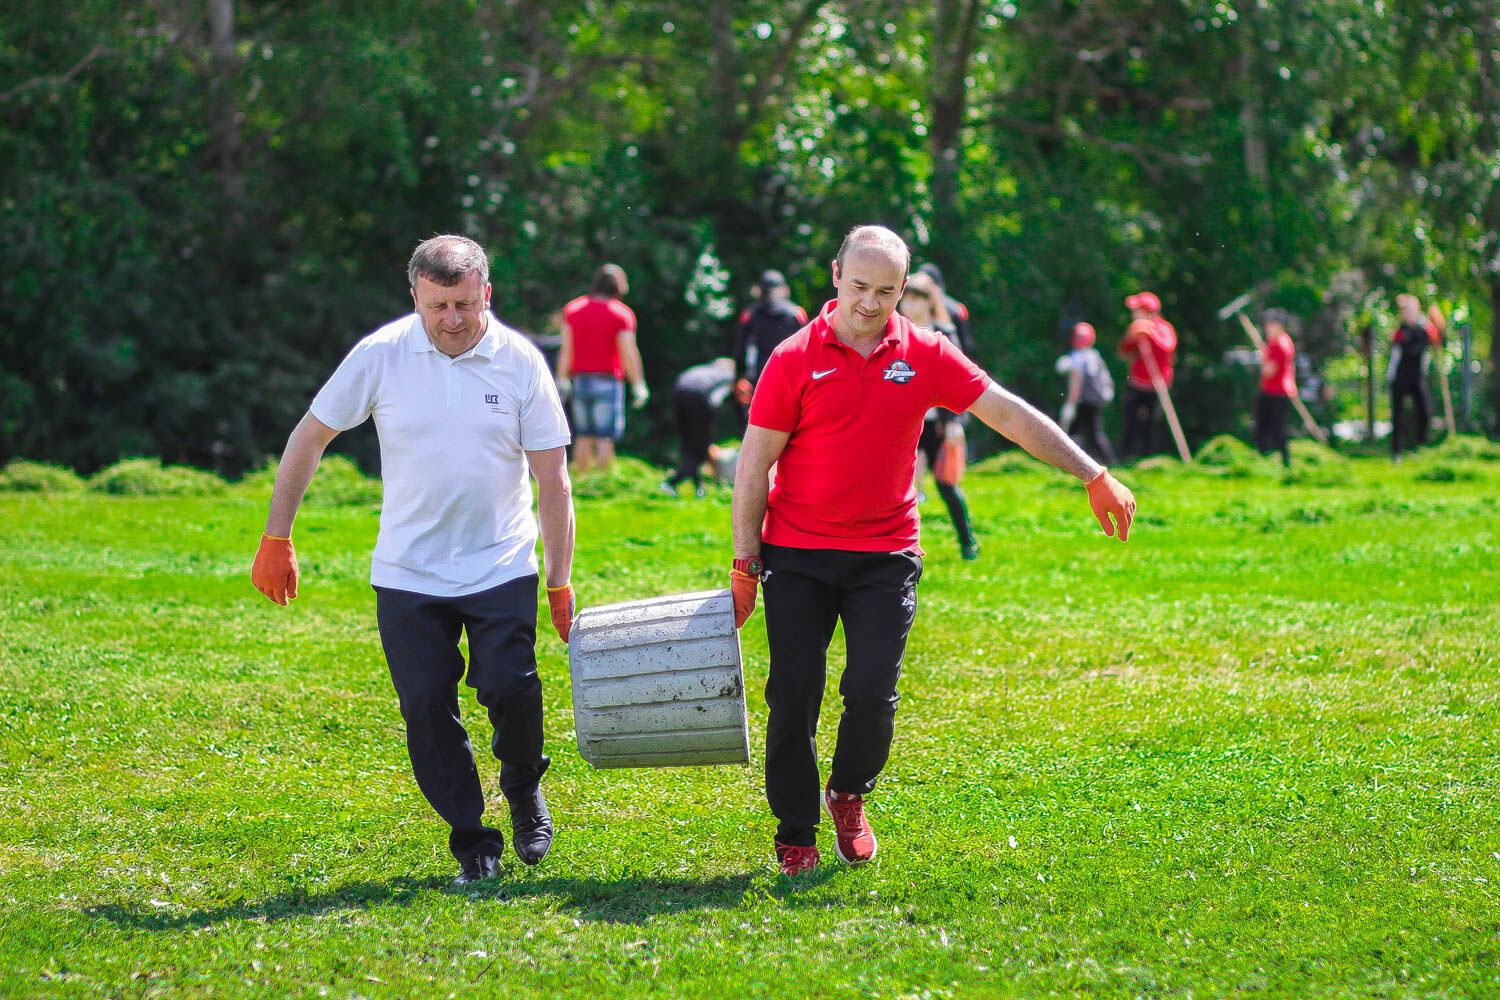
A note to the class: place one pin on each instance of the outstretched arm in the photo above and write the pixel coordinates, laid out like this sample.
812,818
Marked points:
1028,427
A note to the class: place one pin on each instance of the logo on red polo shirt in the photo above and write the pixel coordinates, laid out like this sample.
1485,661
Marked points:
899,372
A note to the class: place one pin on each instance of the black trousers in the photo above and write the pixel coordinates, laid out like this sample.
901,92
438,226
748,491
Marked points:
695,428
1270,425
1088,430
420,635
1139,438
931,442
806,592
1421,404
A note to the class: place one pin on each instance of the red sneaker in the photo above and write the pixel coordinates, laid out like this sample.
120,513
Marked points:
854,840
795,860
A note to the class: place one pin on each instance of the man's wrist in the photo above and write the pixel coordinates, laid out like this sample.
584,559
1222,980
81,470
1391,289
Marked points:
1090,480
749,565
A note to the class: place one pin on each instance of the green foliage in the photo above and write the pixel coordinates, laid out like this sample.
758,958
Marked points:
22,476
1467,447
1236,756
148,477
1052,158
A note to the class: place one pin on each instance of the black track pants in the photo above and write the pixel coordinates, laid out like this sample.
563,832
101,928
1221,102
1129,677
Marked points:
420,635
806,593
1270,426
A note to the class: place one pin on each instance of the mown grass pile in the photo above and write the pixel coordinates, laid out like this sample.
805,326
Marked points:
1250,753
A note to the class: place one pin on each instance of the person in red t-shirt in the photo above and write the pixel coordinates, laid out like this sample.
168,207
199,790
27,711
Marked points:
839,411
1147,329
598,351
1278,383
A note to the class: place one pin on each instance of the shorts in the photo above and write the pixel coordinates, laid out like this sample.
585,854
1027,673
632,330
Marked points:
598,406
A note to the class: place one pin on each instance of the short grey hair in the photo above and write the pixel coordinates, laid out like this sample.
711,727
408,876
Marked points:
875,238
447,260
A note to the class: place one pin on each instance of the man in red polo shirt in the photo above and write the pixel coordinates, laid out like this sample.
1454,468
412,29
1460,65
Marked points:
599,351
1278,384
838,411
1147,331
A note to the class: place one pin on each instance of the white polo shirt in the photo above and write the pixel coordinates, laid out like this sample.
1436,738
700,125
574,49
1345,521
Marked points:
453,436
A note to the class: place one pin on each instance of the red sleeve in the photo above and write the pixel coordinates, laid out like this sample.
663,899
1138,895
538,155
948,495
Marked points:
1434,334
1396,336
1282,350
960,381
801,315
744,317
776,405
627,317
963,310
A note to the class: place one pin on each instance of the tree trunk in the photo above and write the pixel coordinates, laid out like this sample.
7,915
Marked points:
955,24
229,150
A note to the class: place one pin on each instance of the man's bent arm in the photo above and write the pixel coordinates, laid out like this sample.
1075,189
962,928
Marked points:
304,450
554,503
752,482
1028,427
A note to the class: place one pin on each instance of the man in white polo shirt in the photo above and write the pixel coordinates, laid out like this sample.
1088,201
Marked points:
463,407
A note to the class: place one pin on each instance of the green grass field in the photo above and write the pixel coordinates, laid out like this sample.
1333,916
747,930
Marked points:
1252,753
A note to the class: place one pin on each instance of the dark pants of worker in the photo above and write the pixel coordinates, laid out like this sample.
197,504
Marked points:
931,442
1421,403
1088,430
1270,425
420,636
1139,438
806,593
695,428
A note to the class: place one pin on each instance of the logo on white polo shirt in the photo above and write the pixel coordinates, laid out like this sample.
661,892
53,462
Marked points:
899,372
493,398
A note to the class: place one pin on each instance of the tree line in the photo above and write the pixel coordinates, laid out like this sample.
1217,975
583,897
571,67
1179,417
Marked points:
204,203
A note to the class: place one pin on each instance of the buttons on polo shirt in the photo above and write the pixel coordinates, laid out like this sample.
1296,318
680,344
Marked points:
450,382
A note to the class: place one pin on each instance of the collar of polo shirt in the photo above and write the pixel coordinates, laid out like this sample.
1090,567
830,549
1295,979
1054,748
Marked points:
485,347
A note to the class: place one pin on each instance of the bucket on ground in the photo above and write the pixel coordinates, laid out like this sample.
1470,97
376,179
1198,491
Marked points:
658,682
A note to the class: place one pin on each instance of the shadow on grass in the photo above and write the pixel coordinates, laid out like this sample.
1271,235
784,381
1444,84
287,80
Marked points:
621,901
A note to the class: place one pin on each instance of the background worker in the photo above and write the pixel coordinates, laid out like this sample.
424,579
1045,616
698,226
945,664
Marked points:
1147,331
772,318
839,411
1278,384
1406,375
598,353
696,397
963,329
1090,389
923,303
464,408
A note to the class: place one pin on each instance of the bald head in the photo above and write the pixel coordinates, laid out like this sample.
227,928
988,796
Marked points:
874,240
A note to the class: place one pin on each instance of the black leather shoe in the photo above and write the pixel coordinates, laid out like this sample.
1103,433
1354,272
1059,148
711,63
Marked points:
531,830
477,869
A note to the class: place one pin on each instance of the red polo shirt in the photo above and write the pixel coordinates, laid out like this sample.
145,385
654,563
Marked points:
597,324
1162,337
1282,357
846,479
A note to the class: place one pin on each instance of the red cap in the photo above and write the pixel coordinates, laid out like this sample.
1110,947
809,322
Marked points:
1144,300
1083,335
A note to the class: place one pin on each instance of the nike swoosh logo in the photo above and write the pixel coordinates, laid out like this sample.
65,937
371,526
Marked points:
818,375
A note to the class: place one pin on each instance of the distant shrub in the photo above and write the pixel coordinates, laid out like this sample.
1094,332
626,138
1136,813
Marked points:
1009,462
24,476
1225,450
625,477
1468,448
338,483
144,477
1446,472
1307,451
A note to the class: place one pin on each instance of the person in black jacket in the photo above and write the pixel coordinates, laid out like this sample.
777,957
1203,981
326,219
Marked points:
770,320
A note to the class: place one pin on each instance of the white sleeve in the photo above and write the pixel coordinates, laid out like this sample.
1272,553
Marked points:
348,397
543,425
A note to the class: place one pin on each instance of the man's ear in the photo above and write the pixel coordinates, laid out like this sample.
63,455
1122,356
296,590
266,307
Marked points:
835,272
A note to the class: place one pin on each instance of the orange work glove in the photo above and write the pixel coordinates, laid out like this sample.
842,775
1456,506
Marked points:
274,571
743,581
1107,495
564,605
